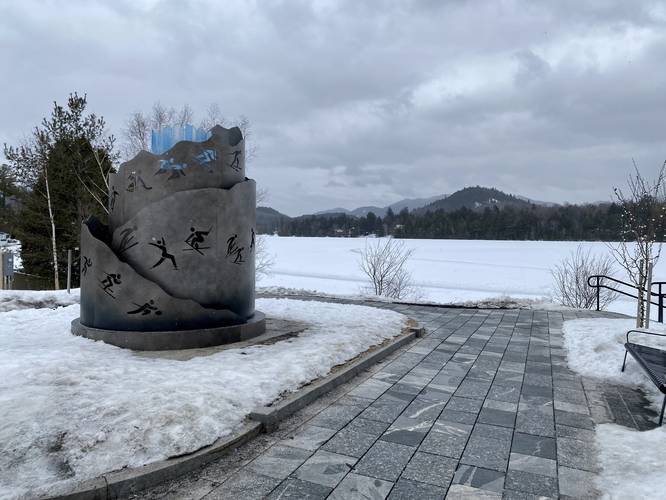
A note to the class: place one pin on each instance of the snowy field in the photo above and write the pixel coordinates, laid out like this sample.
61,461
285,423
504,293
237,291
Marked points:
73,408
631,461
444,271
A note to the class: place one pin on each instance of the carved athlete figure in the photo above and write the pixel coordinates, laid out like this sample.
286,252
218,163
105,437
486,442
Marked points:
161,244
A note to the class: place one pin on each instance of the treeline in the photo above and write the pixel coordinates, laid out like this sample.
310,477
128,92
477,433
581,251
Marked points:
590,222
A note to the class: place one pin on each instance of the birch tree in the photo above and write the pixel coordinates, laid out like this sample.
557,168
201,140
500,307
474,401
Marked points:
64,163
643,230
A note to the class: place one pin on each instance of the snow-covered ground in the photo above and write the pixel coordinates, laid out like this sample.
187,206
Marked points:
73,408
631,461
444,271
37,299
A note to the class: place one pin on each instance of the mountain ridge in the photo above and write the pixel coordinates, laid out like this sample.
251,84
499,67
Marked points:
477,198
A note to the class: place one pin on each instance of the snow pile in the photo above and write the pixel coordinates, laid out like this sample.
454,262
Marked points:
631,461
506,302
73,408
596,349
30,299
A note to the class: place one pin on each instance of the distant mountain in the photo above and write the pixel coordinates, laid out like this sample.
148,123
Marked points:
476,198
414,203
540,203
363,211
338,210
269,220
408,203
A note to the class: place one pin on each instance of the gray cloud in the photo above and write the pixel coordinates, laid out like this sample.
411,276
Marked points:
365,102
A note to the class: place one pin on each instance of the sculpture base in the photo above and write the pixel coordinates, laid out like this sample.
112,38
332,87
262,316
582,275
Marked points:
172,340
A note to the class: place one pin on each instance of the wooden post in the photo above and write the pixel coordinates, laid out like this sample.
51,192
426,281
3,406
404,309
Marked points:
69,270
2,270
649,296
639,302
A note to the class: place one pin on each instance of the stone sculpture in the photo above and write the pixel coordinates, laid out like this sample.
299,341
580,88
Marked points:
177,258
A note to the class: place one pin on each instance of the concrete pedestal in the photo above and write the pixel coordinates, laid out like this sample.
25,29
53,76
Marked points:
174,340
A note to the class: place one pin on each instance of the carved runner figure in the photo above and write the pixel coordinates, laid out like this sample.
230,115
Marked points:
87,262
145,309
161,244
109,282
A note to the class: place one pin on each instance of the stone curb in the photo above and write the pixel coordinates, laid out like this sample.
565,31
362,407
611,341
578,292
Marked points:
270,416
127,481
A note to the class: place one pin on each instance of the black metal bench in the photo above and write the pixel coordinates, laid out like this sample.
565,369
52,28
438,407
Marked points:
653,362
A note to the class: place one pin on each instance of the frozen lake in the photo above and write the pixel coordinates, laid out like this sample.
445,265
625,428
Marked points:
444,271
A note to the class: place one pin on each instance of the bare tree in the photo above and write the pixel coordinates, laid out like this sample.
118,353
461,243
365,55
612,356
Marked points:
137,134
30,162
384,262
161,116
250,146
184,116
213,116
571,288
643,230
263,259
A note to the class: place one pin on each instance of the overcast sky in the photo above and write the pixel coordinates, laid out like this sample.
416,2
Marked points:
367,102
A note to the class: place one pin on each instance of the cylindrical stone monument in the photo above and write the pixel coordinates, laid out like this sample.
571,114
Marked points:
175,267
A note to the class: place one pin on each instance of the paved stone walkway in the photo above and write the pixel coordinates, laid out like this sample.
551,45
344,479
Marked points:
484,406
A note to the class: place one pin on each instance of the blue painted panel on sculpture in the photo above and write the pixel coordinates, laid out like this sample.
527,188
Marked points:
164,139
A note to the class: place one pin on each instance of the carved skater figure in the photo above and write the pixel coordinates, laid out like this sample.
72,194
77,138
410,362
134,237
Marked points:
239,255
161,244
235,163
253,238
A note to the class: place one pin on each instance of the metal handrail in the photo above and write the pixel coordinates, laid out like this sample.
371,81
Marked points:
599,284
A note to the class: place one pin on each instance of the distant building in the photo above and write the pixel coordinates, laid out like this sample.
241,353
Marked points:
8,201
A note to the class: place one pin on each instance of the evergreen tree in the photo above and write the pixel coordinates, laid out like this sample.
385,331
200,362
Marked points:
8,189
64,169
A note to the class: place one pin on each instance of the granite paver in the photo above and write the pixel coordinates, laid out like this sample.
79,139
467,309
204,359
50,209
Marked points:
484,406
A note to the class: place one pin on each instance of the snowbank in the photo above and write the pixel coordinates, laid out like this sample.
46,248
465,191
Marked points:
631,461
596,349
11,300
499,302
73,408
